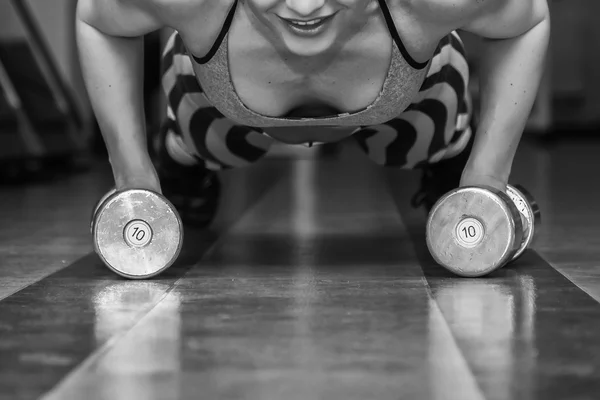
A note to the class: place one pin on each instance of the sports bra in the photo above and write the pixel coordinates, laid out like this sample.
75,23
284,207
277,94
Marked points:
403,81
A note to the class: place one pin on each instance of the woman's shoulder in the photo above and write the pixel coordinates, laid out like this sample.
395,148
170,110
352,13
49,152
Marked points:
453,14
489,18
422,24
197,21
138,17
176,12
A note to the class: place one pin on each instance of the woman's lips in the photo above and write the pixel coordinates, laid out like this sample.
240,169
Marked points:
308,28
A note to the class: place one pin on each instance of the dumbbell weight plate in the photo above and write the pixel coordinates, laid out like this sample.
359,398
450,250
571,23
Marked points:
473,231
98,205
137,233
530,211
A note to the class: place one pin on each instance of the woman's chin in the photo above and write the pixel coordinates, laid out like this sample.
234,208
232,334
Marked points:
307,47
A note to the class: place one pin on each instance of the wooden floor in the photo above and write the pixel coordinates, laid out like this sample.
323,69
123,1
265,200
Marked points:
314,283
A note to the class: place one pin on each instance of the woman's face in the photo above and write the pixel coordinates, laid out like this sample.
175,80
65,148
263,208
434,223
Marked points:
311,27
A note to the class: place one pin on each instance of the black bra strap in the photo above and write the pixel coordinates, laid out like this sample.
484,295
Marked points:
394,32
217,44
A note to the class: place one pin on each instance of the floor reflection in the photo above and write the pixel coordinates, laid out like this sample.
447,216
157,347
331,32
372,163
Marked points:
154,355
492,321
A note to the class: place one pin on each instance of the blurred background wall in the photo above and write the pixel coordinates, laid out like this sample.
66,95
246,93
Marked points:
55,19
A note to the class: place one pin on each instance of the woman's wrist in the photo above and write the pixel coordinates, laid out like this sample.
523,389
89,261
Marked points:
134,170
484,177
146,179
491,159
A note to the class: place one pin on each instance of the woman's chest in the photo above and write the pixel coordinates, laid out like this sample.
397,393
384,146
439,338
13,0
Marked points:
270,85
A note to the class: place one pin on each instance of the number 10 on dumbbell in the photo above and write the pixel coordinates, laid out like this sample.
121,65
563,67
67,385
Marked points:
473,231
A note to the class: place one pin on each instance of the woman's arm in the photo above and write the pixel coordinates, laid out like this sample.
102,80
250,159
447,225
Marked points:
517,34
109,37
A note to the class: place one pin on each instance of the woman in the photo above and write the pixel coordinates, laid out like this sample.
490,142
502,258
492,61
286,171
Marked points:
242,74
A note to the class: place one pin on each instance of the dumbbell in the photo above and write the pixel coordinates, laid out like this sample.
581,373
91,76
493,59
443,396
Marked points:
473,231
137,233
